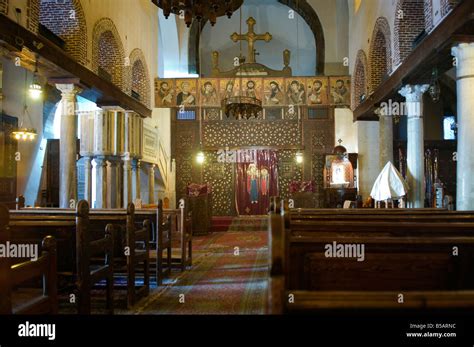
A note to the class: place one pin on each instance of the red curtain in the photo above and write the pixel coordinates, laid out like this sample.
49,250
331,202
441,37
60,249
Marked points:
256,180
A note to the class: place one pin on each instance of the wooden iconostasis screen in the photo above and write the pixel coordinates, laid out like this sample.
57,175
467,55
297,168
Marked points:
308,130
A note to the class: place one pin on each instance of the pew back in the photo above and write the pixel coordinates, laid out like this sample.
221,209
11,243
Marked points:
417,252
12,276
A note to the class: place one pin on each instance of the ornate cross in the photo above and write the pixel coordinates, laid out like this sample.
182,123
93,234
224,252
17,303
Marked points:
251,37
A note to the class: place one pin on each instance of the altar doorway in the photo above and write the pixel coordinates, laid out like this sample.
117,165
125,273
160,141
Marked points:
256,180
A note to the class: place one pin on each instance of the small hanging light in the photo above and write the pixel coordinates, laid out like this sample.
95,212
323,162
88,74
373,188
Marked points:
435,89
200,157
35,88
23,133
299,157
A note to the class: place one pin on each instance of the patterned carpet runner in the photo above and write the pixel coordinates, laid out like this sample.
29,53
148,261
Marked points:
249,223
229,276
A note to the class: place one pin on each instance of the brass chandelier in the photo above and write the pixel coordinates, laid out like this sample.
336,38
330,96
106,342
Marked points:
240,107
198,9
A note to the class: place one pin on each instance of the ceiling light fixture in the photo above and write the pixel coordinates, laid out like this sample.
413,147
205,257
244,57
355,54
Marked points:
198,9
35,88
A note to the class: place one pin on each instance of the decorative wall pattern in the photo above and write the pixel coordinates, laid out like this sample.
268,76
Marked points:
251,133
221,178
288,171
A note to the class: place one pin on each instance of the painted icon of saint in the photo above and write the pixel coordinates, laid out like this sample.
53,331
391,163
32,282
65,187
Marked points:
252,183
264,178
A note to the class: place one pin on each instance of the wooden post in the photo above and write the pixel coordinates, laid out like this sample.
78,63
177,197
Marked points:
159,242
20,202
183,234
130,231
50,284
82,257
109,234
5,280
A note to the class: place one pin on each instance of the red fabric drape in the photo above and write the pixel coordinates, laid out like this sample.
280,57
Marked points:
256,180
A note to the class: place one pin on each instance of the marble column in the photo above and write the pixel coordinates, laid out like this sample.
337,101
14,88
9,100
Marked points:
151,184
136,179
368,148
101,182
88,179
385,137
113,195
415,144
464,53
127,181
67,146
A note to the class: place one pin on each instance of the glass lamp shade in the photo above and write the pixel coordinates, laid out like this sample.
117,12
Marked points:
25,134
200,158
35,90
299,158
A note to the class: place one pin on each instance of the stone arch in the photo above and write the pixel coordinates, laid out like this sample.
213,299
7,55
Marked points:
380,54
359,79
140,76
409,24
302,7
66,19
108,57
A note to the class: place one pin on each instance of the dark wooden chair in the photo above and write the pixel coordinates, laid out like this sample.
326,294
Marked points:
163,243
186,240
88,272
11,276
137,256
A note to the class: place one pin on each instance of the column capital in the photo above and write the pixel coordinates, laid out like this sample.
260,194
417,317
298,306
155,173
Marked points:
68,89
112,108
464,54
413,92
463,50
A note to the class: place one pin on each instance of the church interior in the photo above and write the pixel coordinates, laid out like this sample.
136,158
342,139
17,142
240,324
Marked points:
242,157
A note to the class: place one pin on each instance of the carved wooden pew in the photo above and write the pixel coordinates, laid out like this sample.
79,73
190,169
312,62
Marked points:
173,222
163,243
77,245
136,256
125,232
89,270
11,276
101,217
413,258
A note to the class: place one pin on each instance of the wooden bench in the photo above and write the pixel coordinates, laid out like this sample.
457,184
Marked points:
412,257
123,231
89,270
77,243
136,256
174,223
101,217
11,276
